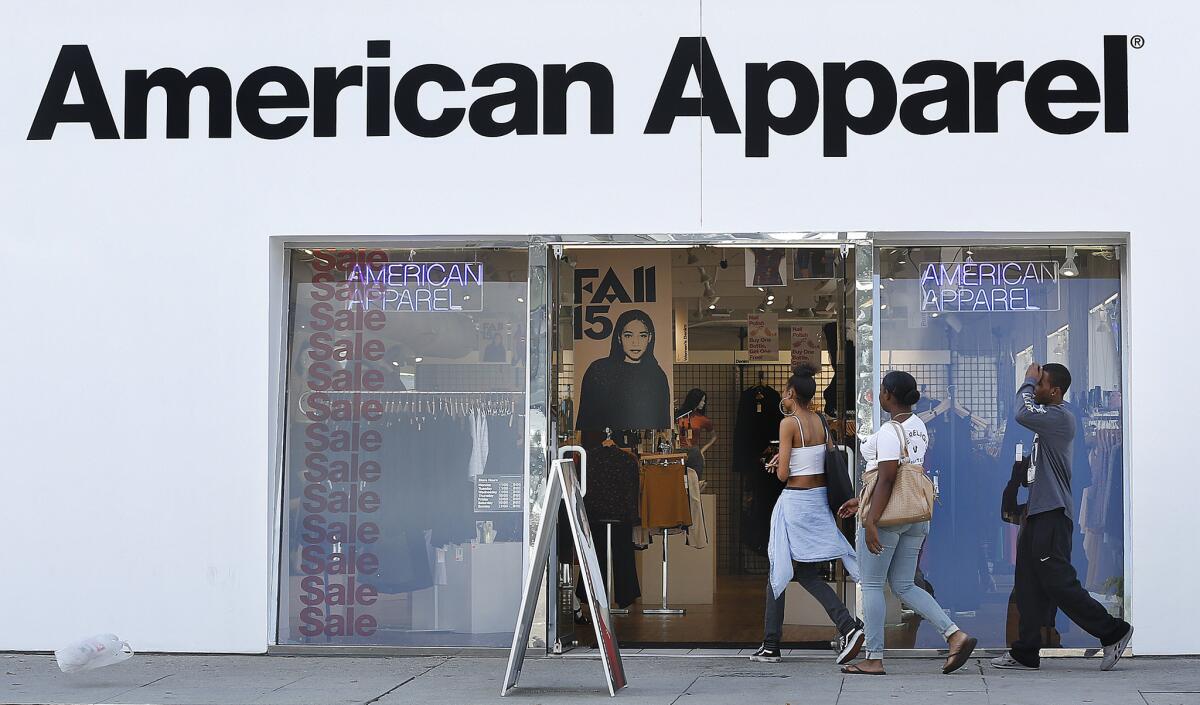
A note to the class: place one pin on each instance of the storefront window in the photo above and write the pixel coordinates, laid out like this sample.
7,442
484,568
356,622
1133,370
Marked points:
967,322
405,480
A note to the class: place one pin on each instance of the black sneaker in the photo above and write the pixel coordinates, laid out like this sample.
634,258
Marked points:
849,644
766,655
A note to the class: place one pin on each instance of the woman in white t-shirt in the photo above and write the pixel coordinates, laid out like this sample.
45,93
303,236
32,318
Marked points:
889,553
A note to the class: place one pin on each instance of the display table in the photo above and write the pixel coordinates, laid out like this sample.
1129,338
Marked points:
481,591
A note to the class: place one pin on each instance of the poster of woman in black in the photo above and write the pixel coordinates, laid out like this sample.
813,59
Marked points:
627,389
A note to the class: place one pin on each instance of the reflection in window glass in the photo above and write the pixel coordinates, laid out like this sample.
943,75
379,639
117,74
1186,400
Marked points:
405,448
967,322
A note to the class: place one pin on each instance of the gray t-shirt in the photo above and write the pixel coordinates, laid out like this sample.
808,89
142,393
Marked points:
1053,448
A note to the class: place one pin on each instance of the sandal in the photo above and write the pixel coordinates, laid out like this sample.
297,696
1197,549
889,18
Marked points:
956,660
854,670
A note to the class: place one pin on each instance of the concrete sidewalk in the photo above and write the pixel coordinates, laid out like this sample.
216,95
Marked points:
653,679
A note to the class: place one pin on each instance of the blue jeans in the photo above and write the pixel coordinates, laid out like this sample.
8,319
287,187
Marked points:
897,566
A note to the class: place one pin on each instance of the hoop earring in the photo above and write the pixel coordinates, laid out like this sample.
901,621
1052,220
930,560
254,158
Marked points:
782,410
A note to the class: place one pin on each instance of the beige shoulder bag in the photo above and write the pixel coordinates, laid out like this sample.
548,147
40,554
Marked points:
912,493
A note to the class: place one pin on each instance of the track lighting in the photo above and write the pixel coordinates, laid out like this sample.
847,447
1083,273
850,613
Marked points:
790,308
1070,268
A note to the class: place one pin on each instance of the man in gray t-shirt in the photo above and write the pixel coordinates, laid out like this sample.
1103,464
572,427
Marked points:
1045,578
1049,479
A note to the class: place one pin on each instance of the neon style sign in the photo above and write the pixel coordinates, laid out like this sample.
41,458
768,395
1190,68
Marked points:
417,287
970,287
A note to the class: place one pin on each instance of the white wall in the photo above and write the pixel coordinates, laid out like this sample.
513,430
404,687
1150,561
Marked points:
138,293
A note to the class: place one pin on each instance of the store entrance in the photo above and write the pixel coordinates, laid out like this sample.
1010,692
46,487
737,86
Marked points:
669,363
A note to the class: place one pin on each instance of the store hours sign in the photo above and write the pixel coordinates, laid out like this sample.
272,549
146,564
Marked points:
971,287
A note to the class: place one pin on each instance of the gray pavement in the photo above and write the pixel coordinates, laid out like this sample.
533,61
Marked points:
654,679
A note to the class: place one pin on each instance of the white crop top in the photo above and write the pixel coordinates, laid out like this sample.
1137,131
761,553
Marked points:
808,460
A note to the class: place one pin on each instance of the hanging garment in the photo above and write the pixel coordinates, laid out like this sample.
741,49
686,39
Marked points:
664,501
848,399
613,485
477,424
626,589
757,424
697,533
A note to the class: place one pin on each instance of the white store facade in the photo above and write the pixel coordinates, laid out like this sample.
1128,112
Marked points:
164,387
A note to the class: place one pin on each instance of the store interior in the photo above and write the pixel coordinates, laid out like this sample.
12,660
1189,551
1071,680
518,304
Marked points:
722,434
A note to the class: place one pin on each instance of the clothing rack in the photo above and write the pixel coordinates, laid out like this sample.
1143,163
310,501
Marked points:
428,403
413,392
665,460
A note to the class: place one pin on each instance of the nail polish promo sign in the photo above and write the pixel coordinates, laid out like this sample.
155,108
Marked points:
987,287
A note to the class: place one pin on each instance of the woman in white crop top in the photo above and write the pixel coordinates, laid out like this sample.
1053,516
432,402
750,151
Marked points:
804,534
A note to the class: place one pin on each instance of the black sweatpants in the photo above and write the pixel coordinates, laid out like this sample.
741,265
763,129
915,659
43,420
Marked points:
1045,579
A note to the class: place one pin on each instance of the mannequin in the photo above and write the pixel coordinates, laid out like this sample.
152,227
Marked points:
695,428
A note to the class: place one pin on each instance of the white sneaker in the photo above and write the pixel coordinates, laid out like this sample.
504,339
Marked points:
1114,652
1009,663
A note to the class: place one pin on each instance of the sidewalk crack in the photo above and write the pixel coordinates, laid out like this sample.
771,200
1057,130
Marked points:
156,680
124,692
685,690
400,685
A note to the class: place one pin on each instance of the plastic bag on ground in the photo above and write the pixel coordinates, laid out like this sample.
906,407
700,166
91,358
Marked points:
94,652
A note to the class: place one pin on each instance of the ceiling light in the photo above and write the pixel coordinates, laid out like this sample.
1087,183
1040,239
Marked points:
762,308
418,359
466,297
1069,268
712,305
761,289
395,364
882,307
790,308
902,258
520,300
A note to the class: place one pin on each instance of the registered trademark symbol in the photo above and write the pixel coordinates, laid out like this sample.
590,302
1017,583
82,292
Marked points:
1137,41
